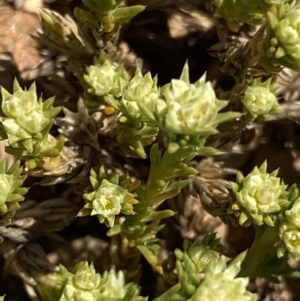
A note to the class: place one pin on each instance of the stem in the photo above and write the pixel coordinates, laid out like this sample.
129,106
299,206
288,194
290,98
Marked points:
264,241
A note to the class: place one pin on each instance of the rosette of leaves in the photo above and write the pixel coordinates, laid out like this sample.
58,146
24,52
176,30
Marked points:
85,284
258,196
259,100
190,112
12,193
110,197
140,98
204,274
250,12
103,77
26,122
281,44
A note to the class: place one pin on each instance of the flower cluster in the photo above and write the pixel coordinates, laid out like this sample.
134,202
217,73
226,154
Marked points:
187,112
104,78
204,274
191,109
26,122
259,100
283,38
85,284
141,97
258,196
109,197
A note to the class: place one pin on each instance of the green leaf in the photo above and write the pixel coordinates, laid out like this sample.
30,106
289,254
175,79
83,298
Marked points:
87,18
167,296
223,117
124,14
100,7
159,215
151,258
115,230
50,152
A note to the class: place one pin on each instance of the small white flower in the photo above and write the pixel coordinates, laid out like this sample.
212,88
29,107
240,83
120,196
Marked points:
102,79
190,108
140,96
291,239
259,195
84,285
115,285
258,100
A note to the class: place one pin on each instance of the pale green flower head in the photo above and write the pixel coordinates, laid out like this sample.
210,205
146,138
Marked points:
109,198
258,196
84,285
289,240
26,120
259,100
104,77
204,274
192,109
203,252
219,287
10,186
141,97
115,284
283,39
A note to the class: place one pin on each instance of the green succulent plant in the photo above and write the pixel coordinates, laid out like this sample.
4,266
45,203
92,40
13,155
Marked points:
259,100
12,193
258,196
26,121
103,77
111,196
281,44
205,274
85,284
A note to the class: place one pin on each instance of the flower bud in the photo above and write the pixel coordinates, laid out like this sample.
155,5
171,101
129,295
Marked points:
103,78
142,94
282,43
258,100
192,109
84,284
205,274
258,196
26,120
109,198
290,240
